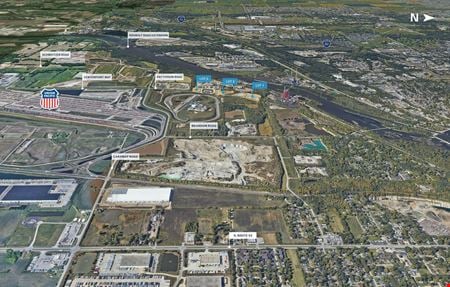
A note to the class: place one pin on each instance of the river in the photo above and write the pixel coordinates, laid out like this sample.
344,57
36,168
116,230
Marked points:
154,55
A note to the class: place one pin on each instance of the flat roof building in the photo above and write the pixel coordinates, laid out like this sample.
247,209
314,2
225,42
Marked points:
210,259
119,281
140,196
208,262
206,281
43,192
111,264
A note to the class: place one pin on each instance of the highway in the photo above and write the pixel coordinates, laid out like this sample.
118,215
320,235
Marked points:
73,250
86,161
221,247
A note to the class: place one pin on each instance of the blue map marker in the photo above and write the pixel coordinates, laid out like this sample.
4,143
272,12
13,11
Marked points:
200,79
181,18
259,85
326,43
229,82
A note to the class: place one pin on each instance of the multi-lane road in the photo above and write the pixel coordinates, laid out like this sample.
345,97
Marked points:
222,247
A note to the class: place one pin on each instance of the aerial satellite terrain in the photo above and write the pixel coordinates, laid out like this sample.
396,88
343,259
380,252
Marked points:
224,143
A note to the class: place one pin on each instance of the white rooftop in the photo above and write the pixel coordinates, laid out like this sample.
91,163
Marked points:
140,194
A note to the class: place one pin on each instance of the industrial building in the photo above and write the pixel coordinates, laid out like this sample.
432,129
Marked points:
208,262
207,281
46,262
113,264
119,281
43,192
140,196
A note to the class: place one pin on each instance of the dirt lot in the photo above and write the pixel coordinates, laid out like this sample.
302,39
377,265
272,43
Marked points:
236,114
153,149
173,227
269,238
291,121
116,226
217,161
195,198
259,220
208,218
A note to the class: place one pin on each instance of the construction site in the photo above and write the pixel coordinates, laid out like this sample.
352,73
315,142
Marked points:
220,161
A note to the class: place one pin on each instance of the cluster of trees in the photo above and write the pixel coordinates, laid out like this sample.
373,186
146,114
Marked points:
220,231
191,226
342,266
12,256
259,268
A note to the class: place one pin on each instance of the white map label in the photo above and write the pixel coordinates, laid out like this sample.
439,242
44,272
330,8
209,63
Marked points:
125,156
204,125
169,77
148,35
55,54
242,235
97,77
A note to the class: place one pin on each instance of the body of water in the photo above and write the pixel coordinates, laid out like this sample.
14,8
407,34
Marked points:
153,54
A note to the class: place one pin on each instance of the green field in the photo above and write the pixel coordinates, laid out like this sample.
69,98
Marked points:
298,278
82,197
84,263
48,235
107,68
22,236
355,227
10,219
13,233
46,76
335,221
15,275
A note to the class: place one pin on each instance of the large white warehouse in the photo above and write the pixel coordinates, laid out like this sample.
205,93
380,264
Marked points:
140,196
